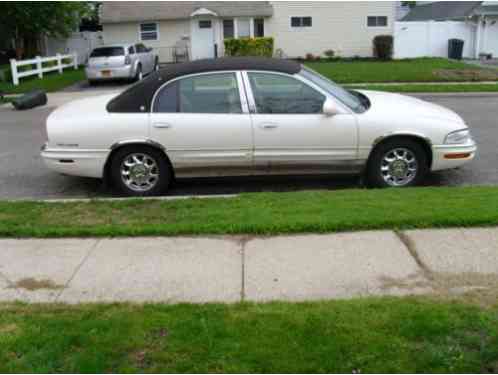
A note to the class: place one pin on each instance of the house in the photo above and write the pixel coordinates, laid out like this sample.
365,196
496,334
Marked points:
298,27
473,21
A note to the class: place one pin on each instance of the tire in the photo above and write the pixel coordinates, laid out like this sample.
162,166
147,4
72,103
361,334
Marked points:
140,162
92,83
397,163
138,73
156,65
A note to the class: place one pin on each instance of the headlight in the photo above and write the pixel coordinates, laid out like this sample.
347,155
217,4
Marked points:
459,137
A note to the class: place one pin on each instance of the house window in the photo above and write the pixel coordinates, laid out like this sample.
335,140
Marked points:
228,29
301,22
205,24
243,28
259,27
377,21
149,31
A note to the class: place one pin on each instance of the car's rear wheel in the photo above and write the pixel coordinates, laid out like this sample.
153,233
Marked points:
156,65
139,74
397,163
140,171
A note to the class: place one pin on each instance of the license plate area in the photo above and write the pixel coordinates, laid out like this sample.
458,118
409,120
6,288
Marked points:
106,73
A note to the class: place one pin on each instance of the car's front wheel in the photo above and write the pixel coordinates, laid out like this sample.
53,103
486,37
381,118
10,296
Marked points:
397,163
140,171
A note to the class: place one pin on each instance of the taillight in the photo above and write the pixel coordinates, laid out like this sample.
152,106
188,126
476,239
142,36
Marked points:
128,60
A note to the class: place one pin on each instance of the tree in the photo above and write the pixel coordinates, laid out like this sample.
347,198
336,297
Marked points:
410,4
26,21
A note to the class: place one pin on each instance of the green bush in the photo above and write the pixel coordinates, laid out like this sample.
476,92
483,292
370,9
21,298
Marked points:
249,47
383,47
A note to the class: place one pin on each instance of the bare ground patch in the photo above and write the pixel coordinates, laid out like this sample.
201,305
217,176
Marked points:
473,75
32,284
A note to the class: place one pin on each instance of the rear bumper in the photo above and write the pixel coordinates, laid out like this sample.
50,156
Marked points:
84,163
96,74
452,156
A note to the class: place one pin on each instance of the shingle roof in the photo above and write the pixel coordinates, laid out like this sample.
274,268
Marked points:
442,10
140,95
131,11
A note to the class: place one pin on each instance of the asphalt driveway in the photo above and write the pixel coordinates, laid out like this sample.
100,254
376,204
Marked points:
23,174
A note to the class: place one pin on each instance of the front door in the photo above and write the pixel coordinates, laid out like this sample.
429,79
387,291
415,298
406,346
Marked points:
292,135
202,38
204,125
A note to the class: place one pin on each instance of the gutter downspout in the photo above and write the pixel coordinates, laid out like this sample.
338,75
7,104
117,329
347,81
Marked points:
478,36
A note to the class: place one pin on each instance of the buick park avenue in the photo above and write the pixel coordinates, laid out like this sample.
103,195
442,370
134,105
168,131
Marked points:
251,116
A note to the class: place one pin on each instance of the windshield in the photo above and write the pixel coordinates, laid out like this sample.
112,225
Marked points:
352,99
108,52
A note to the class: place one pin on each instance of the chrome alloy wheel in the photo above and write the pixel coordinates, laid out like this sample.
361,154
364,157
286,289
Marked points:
399,167
139,172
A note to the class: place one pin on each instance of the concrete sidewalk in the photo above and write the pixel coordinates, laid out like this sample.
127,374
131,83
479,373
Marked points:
231,269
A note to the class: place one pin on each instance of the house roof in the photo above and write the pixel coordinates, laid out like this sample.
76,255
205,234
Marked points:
138,98
442,10
133,11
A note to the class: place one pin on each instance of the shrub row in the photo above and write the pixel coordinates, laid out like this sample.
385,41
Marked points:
249,47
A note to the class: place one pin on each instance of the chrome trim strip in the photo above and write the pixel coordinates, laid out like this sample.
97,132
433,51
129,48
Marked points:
138,141
400,133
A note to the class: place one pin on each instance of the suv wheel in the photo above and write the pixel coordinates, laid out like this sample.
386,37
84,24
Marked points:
397,163
140,171
139,75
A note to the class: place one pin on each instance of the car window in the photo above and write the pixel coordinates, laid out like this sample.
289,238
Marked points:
131,50
207,93
278,94
108,52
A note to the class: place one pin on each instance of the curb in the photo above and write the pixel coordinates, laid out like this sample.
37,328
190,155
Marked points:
91,200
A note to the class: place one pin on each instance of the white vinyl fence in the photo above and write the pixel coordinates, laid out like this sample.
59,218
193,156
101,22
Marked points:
80,42
430,38
40,69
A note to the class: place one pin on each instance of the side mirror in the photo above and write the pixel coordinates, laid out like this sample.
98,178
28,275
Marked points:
330,108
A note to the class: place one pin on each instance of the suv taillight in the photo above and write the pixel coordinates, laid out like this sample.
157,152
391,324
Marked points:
128,60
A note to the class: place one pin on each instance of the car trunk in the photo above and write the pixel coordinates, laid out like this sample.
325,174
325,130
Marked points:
107,57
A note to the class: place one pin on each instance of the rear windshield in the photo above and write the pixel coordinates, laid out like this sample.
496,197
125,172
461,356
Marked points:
108,52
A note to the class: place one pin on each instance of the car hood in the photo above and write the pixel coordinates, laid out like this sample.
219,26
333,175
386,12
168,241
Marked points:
406,106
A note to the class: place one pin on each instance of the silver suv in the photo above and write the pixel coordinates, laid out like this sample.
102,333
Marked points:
121,61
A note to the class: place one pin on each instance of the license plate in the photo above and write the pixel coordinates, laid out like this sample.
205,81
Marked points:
106,73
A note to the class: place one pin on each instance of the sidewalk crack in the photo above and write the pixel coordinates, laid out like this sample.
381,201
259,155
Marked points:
412,250
76,270
243,242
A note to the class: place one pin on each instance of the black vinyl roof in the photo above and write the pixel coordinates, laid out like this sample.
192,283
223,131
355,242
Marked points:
138,98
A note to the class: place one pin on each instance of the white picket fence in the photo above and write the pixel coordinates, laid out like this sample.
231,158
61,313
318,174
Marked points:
40,69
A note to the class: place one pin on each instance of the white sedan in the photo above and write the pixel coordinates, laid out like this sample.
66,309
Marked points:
248,116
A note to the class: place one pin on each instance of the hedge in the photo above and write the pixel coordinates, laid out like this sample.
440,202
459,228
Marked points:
249,47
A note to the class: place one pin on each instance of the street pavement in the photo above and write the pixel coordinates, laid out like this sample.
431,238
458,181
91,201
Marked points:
233,269
24,176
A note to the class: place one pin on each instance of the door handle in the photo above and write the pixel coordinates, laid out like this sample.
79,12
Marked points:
268,125
162,125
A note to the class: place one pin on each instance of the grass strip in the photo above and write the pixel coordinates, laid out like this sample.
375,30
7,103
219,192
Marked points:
256,213
405,70
370,335
50,82
430,88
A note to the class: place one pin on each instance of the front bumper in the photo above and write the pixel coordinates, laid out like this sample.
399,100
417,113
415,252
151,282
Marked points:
97,74
75,162
452,156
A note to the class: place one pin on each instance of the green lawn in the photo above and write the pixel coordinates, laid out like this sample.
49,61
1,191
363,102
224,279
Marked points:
409,335
256,213
50,82
430,88
409,70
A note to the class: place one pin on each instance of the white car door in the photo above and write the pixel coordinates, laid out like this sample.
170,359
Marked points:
204,124
291,134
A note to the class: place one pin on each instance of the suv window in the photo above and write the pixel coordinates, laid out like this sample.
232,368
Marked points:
207,93
280,94
131,50
108,52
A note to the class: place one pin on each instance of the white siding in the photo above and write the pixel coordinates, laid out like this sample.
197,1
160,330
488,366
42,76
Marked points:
170,32
340,26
